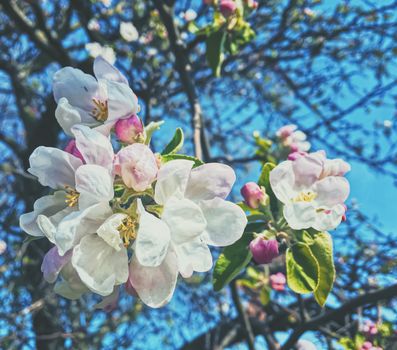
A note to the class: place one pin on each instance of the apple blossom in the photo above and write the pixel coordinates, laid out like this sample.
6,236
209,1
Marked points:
96,49
194,215
312,189
82,190
369,328
130,130
128,31
263,250
254,195
278,281
190,15
137,166
369,346
293,139
96,102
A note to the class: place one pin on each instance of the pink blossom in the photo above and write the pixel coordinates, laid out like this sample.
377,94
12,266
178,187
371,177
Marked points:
264,251
278,281
72,149
3,247
130,130
253,195
312,190
370,328
227,8
293,139
252,4
369,346
137,166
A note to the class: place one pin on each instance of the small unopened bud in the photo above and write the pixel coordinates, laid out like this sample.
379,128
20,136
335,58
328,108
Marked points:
254,195
72,149
286,131
296,154
278,281
227,8
264,251
130,130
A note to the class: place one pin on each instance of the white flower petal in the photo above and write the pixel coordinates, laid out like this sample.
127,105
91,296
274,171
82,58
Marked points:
184,218
98,265
53,263
104,70
300,215
94,146
48,224
122,102
329,218
155,285
79,89
78,224
53,167
67,115
282,181
172,179
226,222
193,256
331,190
209,181
153,238
108,231
308,169
94,184
47,205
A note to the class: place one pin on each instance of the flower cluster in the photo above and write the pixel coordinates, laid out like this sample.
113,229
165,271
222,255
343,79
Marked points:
125,216
290,210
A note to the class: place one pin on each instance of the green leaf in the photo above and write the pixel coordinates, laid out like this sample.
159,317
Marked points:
304,237
175,144
231,261
167,157
214,52
322,250
150,129
264,180
302,269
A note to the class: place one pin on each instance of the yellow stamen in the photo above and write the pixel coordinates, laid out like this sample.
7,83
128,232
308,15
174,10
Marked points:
307,196
72,196
100,111
127,231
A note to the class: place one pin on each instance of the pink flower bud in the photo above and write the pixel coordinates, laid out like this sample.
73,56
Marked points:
278,281
72,149
369,346
296,155
264,251
254,195
370,328
130,130
227,8
137,166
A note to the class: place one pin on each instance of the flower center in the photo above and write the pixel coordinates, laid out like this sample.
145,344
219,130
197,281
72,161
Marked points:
305,196
127,231
72,196
100,111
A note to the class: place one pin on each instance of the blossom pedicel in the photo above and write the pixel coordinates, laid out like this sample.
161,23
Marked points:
108,223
